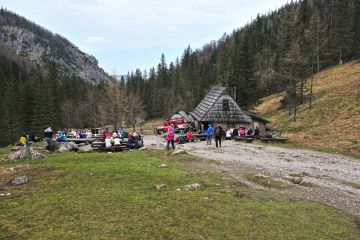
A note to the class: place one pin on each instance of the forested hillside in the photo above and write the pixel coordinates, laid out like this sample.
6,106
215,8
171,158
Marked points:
272,53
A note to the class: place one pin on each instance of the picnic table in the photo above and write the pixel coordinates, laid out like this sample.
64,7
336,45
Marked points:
249,139
273,140
80,140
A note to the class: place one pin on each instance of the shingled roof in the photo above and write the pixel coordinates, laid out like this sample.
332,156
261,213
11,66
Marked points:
211,109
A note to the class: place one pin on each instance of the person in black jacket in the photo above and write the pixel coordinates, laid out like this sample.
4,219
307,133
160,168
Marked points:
219,132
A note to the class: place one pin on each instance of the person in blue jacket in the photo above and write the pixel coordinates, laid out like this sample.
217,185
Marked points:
210,134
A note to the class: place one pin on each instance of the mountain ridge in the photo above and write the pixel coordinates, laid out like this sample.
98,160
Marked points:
41,46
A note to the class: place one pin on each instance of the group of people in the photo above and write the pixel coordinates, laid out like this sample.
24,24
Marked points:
218,133
118,136
24,141
241,131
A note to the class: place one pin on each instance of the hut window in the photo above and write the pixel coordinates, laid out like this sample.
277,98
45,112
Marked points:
226,105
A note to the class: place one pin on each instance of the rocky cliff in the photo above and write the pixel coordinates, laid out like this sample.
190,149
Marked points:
41,46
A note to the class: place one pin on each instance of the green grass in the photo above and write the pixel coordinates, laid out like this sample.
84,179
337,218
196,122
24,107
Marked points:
112,196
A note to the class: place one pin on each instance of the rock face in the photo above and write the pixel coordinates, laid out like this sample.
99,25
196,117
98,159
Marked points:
49,47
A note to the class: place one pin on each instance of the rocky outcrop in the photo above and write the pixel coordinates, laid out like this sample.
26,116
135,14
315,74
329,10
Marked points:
67,57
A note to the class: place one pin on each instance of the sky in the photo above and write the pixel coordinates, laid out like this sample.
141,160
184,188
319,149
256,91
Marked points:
128,34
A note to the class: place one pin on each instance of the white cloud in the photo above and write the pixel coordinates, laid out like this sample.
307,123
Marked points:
95,40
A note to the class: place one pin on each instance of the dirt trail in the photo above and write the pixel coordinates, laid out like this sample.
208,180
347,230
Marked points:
331,179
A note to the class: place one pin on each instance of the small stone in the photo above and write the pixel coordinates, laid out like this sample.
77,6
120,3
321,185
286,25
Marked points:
19,180
194,186
177,152
160,187
261,176
178,190
163,166
297,180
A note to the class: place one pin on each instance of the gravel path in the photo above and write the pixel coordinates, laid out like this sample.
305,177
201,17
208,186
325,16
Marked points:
333,179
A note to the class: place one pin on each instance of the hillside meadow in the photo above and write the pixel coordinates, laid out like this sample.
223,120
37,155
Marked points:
113,196
333,123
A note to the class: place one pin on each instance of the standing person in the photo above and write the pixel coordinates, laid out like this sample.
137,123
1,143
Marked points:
48,133
170,138
182,137
256,132
210,134
219,131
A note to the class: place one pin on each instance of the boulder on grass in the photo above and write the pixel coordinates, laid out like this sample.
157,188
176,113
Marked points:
19,180
51,145
85,149
67,147
194,186
25,153
177,152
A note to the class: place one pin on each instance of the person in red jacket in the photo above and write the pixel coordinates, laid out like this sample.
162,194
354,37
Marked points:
189,135
170,138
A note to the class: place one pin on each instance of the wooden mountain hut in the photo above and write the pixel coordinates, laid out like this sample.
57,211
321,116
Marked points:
218,107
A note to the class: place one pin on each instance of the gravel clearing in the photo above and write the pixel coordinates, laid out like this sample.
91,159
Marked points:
332,179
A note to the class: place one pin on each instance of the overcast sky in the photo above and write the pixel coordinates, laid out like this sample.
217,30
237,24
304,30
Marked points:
129,34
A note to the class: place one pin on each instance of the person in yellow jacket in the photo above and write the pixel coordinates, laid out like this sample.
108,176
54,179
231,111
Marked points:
22,141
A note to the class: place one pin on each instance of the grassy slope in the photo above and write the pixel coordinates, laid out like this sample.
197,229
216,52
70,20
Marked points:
334,122
112,196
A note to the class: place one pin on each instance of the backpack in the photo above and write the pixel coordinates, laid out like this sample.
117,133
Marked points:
218,131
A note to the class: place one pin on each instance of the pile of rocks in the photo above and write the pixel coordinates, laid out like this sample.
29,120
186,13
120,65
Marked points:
24,153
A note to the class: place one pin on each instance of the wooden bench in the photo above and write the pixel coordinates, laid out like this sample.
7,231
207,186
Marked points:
116,148
199,137
273,140
244,139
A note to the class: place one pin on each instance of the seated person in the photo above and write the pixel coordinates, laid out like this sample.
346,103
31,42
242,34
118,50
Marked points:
22,141
61,137
105,134
228,134
88,134
28,141
242,131
117,141
256,132
249,132
235,132
189,135
108,141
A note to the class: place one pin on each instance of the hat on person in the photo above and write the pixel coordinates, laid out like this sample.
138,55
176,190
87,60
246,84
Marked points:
210,125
